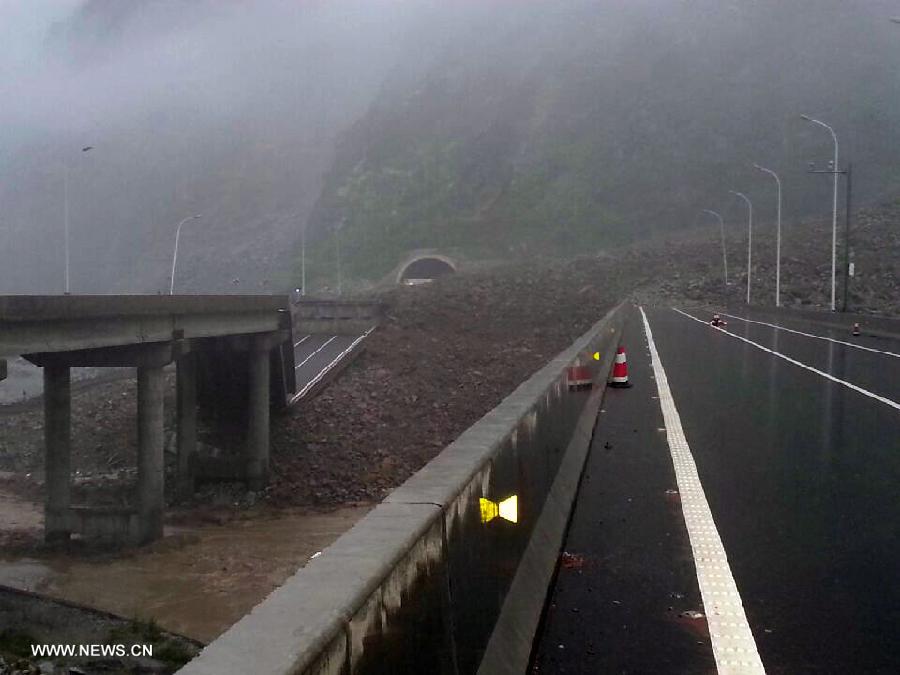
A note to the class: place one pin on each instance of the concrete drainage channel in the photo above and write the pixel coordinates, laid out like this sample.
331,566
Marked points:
450,572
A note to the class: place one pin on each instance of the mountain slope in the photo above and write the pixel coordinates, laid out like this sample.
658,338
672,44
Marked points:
574,127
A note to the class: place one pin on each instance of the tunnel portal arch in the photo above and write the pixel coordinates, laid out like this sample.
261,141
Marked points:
426,266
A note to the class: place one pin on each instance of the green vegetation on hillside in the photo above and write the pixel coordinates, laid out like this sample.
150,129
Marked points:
567,131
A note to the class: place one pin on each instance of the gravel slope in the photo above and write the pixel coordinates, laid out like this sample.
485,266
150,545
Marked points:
449,351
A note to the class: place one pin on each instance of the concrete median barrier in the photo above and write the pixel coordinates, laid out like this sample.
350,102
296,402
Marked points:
449,574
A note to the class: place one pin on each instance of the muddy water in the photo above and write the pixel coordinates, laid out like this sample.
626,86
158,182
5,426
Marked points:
198,581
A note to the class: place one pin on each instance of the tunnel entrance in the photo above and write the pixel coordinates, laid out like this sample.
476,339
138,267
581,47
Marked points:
426,269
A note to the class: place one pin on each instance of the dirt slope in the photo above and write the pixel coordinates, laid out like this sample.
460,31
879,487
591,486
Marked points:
450,351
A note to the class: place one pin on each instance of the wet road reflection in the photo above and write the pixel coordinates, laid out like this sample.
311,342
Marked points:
802,476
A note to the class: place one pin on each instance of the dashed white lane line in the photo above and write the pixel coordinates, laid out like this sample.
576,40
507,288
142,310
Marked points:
325,344
810,335
309,385
827,376
734,647
302,340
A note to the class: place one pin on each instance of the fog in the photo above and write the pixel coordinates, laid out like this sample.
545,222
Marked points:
256,116
226,109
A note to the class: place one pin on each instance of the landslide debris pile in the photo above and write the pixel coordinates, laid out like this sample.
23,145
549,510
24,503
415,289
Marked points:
450,351
688,266
445,355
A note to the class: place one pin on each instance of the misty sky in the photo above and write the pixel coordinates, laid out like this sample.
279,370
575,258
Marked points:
225,108
238,110
23,25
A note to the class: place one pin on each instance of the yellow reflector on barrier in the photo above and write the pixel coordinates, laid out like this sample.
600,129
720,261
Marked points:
508,509
596,356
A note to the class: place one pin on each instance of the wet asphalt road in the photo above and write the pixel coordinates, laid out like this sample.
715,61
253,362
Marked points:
802,475
314,353
628,577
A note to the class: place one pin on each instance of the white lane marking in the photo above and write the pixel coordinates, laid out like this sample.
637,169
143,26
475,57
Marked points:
854,387
302,340
309,385
818,337
734,647
325,344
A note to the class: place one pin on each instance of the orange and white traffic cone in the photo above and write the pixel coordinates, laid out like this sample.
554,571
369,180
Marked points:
620,370
855,331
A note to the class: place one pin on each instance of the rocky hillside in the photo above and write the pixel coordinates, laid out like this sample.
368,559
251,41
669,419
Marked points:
451,350
576,126
690,265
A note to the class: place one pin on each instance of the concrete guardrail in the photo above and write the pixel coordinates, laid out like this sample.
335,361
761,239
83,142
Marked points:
450,572
334,317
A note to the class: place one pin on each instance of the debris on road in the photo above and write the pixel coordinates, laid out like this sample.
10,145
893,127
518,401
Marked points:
571,561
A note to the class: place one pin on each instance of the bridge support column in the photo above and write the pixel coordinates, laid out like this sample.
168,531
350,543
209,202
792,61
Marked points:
151,469
58,450
258,413
186,411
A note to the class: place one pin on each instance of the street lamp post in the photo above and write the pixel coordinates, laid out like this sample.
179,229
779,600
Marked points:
87,148
303,260
835,169
777,236
749,238
66,221
847,205
724,254
175,253
337,244
849,173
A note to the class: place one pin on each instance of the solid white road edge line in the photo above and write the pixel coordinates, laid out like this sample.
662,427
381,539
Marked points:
734,647
309,385
864,392
818,337
324,344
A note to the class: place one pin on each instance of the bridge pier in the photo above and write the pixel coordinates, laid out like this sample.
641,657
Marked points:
186,421
142,522
58,451
58,333
150,461
257,449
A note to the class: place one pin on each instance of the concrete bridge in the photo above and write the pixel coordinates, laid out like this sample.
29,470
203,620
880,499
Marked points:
233,353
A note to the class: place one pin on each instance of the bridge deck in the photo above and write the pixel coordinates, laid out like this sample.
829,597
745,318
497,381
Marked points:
37,323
